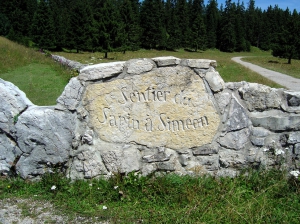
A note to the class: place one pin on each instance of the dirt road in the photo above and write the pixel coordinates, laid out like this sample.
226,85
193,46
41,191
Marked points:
289,82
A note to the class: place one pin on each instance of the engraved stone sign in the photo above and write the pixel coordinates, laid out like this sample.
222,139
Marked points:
167,106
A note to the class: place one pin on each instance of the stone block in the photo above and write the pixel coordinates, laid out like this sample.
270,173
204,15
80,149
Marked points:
166,61
215,81
276,120
71,96
101,71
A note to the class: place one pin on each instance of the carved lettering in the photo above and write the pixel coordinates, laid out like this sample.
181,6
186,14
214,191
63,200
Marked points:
149,95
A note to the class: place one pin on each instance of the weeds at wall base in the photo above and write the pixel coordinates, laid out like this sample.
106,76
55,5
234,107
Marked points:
260,196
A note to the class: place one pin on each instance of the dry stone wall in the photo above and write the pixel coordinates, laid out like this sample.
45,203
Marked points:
156,115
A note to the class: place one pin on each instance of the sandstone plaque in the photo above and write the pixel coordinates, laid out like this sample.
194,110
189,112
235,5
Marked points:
167,106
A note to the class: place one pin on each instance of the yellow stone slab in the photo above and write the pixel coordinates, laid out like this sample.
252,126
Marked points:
164,107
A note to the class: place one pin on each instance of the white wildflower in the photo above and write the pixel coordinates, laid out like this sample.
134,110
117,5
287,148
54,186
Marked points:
116,187
90,184
104,207
278,152
295,173
53,187
265,149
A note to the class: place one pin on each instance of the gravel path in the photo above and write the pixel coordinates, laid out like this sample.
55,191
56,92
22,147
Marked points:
28,211
289,82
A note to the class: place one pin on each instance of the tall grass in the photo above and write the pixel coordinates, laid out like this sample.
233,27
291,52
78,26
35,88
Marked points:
258,197
42,79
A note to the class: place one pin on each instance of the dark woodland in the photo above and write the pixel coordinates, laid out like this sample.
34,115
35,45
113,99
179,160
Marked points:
129,25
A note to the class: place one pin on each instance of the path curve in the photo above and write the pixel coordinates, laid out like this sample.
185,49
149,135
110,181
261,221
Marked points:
289,82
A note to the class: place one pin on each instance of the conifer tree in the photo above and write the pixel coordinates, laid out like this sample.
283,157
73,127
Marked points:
288,38
42,28
172,25
60,13
80,28
227,32
130,17
212,21
153,31
197,37
241,43
109,29
182,13
20,15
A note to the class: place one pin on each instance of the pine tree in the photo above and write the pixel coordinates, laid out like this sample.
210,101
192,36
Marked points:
129,24
241,43
109,29
227,34
20,15
288,39
172,25
80,28
197,37
212,21
182,13
153,31
42,28
4,25
60,14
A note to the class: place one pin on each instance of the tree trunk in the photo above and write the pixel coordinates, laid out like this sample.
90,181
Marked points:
290,59
105,55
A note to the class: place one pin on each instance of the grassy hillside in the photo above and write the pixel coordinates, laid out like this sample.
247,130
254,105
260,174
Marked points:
42,79
229,70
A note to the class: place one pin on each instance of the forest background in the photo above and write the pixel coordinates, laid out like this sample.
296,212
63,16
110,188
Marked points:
129,25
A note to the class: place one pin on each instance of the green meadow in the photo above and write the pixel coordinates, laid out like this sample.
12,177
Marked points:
43,80
257,196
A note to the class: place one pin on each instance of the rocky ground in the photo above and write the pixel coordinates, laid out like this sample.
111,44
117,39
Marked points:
29,211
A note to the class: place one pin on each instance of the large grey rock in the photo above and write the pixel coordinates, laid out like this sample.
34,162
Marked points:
294,137
293,98
13,103
45,138
259,97
139,66
235,140
223,99
71,96
237,116
9,153
124,161
276,120
233,159
211,163
215,81
69,63
166,61
258,136
206,150
199,63
101,71
88,164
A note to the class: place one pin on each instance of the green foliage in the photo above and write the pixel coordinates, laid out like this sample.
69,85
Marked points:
256,196
42,28
124,25
287,41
